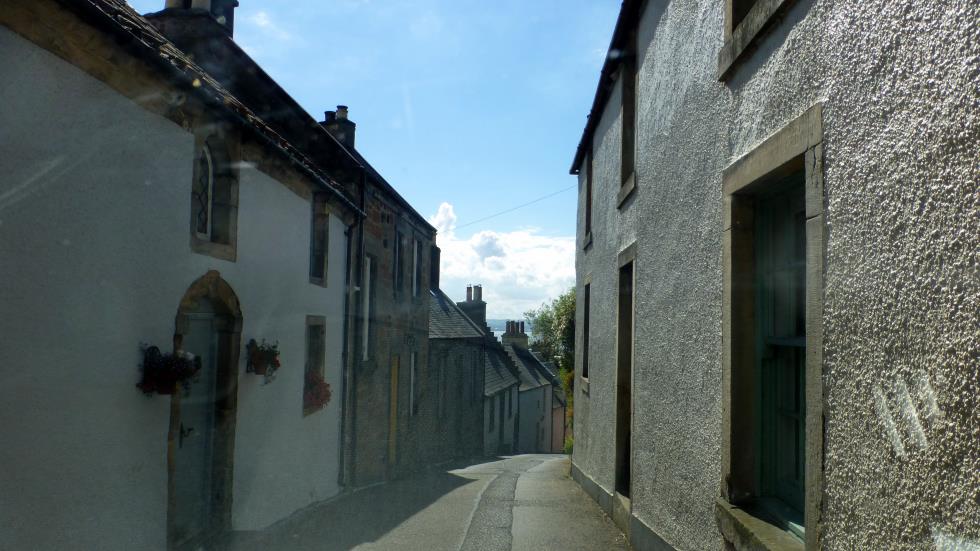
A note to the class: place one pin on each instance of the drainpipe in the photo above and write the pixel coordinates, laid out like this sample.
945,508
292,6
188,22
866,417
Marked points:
349,437
342,478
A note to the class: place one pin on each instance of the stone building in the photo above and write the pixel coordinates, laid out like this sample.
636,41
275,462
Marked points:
538,385
457,354
161,189
500,402
399,266
394,248
778,229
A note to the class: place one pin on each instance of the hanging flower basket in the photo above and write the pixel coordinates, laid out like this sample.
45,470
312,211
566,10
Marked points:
316,392
162,373
263,359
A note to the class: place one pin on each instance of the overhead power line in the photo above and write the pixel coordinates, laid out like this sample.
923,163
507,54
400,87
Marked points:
512,209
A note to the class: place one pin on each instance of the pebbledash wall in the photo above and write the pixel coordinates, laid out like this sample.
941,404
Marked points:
894,86
94,209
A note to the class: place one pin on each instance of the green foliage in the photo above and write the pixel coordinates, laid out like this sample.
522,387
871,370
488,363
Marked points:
569,444
553,328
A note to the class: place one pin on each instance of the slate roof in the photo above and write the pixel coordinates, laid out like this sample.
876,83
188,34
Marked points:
447,321
138,35
532,372
497,372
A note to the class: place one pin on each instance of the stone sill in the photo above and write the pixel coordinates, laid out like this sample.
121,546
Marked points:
745,34
583,383
626,190
221,251
586,241
747,532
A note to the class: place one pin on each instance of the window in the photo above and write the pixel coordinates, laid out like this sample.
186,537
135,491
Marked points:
628,76
398,275
319,240
586,309
744,22
780,332
214,200
477,381
367,307
740,8
416,267
588,198
203,191
314,370
413,384
772,296
624,370
493,412
442,388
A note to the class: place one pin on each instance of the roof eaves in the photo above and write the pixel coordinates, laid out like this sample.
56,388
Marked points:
144,40
629,14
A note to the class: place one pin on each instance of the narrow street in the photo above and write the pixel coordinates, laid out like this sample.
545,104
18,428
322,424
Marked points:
525,502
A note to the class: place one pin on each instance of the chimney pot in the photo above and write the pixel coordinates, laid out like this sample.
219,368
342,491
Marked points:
469,293
478,292
342,112
329,116
522,327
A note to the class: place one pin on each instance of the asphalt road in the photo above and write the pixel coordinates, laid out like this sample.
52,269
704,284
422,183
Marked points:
524,502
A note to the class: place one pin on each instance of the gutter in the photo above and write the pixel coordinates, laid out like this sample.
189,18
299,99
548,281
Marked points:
132,37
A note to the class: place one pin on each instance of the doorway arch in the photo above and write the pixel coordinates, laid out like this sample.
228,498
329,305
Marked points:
201,437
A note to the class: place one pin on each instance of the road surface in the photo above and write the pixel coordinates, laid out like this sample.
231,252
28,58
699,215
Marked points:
524,502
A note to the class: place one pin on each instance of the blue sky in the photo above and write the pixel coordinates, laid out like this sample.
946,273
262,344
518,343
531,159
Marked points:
472,106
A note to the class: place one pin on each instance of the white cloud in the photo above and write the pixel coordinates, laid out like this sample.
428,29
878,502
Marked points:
519,270
262,20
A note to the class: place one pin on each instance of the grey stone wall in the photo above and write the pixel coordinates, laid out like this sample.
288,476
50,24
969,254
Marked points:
898,83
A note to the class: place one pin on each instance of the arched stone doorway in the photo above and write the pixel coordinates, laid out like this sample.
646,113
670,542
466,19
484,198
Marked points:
201,439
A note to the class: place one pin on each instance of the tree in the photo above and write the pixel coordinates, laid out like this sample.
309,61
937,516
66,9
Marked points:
553,329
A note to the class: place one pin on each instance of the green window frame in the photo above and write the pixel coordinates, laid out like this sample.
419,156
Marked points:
780,273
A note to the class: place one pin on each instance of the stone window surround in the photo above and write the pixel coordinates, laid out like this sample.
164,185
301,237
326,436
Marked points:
797,145
589,198
739,39
626,256
220,144
628,69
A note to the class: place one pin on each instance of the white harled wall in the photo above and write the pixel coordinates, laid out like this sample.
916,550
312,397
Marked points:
94,258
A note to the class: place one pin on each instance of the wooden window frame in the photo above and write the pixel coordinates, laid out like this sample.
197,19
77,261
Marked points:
398,270
367,307
416,267
311,322
797,146
740,36
221,240
319,224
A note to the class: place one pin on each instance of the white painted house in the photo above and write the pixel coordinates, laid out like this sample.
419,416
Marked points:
141,204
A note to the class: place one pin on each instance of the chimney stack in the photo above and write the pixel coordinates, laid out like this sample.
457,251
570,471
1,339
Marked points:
515,335
221,11
340,126
474,307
